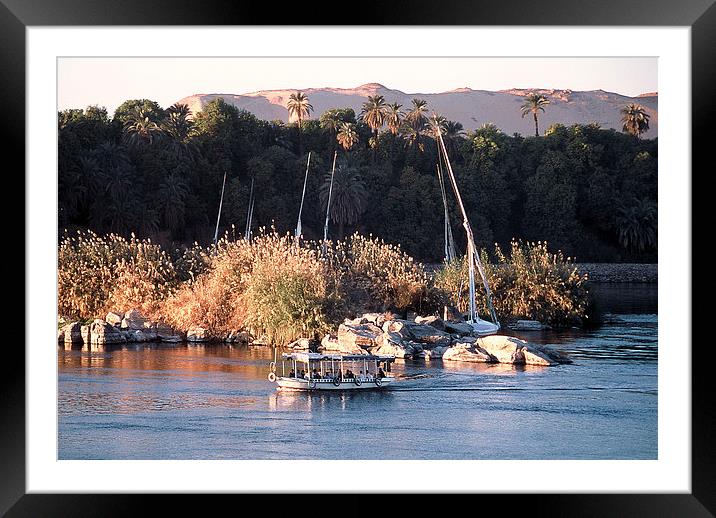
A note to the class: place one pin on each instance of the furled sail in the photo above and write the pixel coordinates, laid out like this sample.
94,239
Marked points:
328,204
250,214
303,196
449,242
218,216
481,327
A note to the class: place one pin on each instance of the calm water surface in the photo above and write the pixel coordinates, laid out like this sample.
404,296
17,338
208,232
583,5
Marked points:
140,401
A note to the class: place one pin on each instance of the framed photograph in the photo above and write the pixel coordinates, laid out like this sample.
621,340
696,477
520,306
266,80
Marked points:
396,258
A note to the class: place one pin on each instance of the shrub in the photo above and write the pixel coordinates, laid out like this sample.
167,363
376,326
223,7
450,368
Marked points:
530,283
268,286
96,273
379,276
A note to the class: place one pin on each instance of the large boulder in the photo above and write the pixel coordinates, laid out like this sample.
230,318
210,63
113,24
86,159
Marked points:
70,333
458,328
133,319
435,353
429,336
508,349
85,333
197,334
467,352
114,319
400,327
166,333
362,336
345,346
101,333
390,344
140,335
431,320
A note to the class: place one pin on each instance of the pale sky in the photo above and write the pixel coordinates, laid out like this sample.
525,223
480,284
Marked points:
110,81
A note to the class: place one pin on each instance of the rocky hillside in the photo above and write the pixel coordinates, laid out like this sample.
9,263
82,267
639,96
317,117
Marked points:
470,107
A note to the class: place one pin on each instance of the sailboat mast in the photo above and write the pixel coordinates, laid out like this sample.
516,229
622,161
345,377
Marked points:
328,205
472,257
218,216
449,242
250,213
303,196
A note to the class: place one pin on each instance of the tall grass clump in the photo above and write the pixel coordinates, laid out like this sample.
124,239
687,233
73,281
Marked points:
96,274
530,282
379,276
267,286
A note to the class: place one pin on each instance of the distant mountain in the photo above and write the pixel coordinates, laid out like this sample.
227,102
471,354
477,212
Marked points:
470,107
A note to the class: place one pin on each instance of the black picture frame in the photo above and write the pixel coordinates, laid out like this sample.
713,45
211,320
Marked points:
700,15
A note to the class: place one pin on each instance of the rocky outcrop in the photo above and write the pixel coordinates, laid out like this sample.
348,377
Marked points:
166,333
237,336
101,333
467,351
114,319
527,325
502,349
433,321
356,338
197,334
70,333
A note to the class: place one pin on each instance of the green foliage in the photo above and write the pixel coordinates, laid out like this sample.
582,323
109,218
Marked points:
95,274
160,176
528,283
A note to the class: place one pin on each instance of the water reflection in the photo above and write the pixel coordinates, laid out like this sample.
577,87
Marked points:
200,401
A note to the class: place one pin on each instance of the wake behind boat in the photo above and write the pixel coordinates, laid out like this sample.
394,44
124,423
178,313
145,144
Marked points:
315,371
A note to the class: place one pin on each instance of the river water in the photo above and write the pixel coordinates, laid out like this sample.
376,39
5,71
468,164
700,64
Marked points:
160,401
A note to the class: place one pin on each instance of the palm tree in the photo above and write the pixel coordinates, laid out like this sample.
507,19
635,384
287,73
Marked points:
172,200
374,113
331,121
637,224
178,127
393,117
348,196
417,117
299,107
436,124
534,103
139,127
635,120
452,133
412,137
347,135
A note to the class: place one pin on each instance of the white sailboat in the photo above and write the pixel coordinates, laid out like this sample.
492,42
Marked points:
480,327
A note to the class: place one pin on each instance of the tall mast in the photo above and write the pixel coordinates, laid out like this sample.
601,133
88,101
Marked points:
303,196
218,216
449,242
472,256
250,213
328,205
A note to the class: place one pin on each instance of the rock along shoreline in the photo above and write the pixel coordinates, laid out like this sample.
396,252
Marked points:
427,338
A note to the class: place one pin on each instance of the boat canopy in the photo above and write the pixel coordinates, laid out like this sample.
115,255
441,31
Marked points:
307,356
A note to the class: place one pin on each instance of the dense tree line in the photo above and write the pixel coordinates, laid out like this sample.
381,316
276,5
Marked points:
158,173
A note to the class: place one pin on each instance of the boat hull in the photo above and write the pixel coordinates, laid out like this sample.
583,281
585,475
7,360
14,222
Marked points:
328,385
484,328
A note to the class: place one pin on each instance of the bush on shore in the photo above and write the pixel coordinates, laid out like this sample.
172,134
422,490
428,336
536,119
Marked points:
274,287
96,274
528,283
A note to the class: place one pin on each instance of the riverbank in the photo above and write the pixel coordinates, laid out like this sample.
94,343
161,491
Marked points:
621,272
